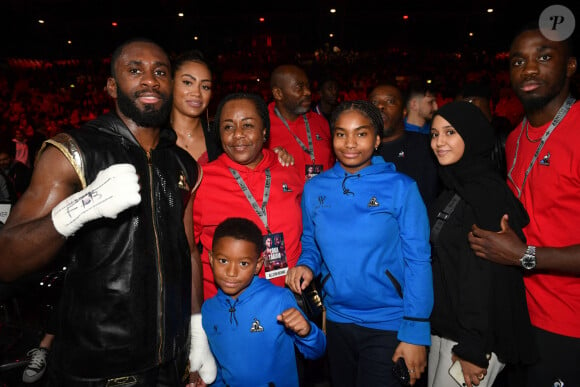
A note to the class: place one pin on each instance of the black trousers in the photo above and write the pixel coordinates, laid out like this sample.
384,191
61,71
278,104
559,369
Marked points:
360,357
559,361
166,375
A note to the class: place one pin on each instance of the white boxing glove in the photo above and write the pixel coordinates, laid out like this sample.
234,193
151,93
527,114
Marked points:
200,356
114,190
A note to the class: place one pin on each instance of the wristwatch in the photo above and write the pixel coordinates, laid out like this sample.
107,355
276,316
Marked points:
528,261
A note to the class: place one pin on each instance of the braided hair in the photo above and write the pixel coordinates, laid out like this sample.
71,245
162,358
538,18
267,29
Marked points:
364,107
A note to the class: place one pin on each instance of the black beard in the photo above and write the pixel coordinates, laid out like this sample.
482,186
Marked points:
388,131
532,105
149,117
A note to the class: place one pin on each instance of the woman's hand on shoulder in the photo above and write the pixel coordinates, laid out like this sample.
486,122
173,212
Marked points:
284,158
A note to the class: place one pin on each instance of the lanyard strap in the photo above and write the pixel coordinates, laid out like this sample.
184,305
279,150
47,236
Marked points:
557,118
260,211
310,149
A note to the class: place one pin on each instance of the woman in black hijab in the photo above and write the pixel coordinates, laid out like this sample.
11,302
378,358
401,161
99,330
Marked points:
479,318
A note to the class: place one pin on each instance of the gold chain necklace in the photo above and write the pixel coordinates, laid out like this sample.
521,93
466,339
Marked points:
528,136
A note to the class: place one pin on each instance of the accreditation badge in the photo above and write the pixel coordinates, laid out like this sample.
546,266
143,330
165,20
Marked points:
274,254
311,170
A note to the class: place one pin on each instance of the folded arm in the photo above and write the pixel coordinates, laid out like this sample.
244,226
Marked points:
506,248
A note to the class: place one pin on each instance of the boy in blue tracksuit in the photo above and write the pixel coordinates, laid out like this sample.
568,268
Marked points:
366,233
251,324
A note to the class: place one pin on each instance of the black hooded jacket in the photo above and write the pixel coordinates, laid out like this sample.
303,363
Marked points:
126,297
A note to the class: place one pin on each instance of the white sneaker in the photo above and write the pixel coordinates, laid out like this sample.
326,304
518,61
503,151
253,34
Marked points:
37,365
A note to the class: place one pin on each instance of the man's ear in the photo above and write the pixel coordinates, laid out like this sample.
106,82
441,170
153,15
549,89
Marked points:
210,258
571,67
112,87
277,93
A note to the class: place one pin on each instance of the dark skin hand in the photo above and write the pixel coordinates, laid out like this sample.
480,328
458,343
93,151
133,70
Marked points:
415,358
295,321
504,247
195,380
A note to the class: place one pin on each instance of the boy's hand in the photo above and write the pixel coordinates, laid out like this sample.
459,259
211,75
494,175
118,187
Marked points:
294,320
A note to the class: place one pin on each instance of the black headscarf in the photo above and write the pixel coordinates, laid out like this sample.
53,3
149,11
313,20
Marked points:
478,181
475,177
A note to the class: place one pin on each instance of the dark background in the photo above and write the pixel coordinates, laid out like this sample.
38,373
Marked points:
299,25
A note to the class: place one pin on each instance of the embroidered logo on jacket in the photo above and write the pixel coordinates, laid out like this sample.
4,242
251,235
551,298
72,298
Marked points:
401,154
256,327
322,202
545,161
373,202
285,188
182,184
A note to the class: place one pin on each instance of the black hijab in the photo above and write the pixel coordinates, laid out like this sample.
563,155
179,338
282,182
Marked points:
475,177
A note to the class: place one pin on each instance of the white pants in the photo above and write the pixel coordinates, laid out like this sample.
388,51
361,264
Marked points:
440,361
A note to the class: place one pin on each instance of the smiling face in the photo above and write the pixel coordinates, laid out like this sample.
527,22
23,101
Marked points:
242,132
192,89
446,143
234,262
142,84
354,140
540,69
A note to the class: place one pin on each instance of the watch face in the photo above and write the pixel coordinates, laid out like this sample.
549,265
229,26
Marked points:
528,262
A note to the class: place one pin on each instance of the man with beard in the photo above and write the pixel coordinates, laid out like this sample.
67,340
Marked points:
409,151
421,103
116,197
301,132
543,166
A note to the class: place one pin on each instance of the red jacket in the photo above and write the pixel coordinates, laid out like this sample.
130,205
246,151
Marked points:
321,139
219,196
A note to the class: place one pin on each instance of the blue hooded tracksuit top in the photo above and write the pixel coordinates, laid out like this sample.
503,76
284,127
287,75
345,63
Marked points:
367,235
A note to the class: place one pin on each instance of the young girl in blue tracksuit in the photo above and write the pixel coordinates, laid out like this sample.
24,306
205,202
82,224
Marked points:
366,234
